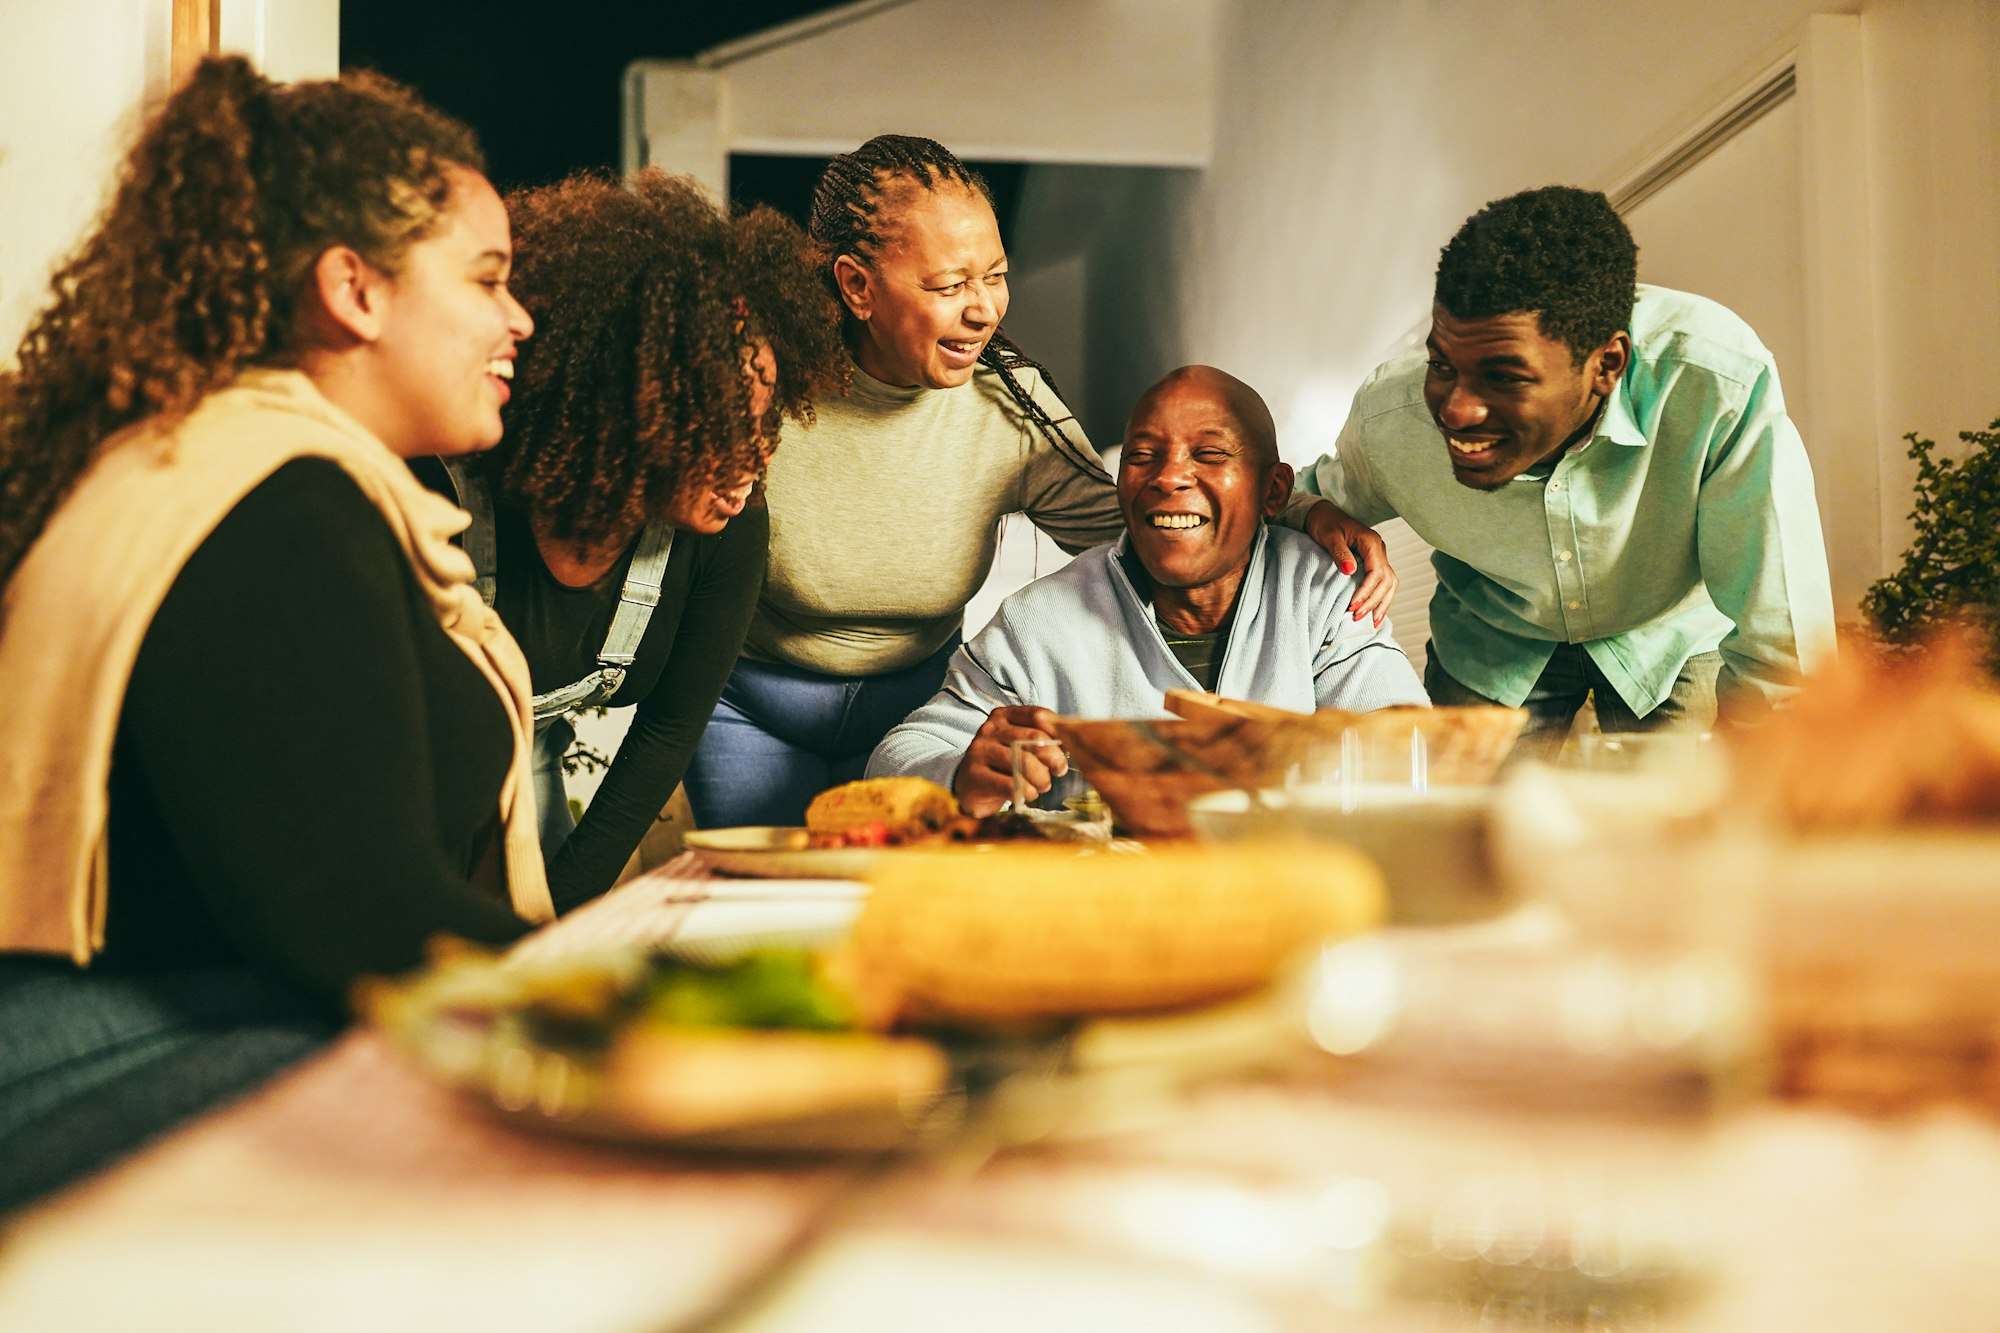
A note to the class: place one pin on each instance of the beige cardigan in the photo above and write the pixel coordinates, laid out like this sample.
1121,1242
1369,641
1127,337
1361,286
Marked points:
77,609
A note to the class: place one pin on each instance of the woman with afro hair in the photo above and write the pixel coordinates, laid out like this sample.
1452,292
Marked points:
620,529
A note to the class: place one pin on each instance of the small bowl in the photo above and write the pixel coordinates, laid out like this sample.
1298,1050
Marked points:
1431,845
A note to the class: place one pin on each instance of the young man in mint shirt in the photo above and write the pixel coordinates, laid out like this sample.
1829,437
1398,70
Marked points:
1619,503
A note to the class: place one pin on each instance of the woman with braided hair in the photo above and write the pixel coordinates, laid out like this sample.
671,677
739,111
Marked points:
266,739
885,512
618,521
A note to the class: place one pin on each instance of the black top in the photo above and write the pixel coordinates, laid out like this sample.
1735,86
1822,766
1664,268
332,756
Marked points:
1200,655
306,774
707,595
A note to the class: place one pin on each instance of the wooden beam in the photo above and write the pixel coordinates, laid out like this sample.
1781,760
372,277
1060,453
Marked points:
195,32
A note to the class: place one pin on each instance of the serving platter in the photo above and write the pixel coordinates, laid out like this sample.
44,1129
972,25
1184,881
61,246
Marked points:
764,852
768,852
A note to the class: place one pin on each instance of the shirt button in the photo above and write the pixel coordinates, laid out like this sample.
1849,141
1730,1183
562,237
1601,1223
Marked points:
1565,556
1576,606
1555,485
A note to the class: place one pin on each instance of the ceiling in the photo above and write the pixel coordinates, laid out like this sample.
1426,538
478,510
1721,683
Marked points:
540,82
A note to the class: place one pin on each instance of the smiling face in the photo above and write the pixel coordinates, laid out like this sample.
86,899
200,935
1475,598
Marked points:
1506,396
709,508
445,354
927,304
1198,473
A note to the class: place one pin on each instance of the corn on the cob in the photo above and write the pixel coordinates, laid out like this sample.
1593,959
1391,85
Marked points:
1020,932
896,803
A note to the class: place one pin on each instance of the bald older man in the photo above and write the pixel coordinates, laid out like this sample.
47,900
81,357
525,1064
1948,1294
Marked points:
1200,593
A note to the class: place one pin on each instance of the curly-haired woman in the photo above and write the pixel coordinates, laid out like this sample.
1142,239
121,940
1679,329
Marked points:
619,519
265,737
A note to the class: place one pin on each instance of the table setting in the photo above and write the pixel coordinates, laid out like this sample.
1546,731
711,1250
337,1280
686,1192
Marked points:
1355,1043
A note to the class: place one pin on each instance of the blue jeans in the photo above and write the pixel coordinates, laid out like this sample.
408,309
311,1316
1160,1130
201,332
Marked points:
1569,679
781,735
92,1064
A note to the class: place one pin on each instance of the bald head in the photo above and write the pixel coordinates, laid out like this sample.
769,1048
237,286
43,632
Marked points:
1197,477
1243,404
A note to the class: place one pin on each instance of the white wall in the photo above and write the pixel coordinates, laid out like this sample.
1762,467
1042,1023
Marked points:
1093,81
1933,78
74,82
1730,229
288,40
1030,80
72,78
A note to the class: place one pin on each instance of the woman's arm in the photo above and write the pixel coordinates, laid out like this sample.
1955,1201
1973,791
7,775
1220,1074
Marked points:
279,715
669,720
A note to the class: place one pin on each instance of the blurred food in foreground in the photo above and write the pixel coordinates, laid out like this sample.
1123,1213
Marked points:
1028,932
1879,739
1883,889
1431,846
979,957
659,1046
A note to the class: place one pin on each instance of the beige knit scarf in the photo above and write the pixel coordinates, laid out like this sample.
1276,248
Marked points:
78,606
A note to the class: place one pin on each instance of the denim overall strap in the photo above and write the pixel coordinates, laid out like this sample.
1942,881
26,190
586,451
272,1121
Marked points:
636,599
481,543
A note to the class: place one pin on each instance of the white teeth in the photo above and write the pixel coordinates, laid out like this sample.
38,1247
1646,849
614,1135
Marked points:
960,347
502,367
1177,520
1469,446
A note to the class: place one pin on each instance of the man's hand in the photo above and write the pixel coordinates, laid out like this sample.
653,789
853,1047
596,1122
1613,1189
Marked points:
985,778
1349,542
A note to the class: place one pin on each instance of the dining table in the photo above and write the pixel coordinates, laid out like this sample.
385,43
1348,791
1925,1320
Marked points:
354,1191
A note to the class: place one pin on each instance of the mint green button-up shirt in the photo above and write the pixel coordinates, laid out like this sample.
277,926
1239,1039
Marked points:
1686,523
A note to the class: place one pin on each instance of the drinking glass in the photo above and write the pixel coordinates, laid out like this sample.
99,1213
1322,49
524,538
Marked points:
1023,753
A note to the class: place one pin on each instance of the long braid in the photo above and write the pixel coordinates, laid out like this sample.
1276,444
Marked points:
1004,356
848,218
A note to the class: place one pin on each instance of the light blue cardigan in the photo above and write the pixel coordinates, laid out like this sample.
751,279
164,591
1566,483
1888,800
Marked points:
1082,642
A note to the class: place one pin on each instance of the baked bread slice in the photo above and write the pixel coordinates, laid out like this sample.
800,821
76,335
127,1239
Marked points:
906,808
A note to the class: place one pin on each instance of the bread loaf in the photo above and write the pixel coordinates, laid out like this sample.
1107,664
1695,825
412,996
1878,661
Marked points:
900,805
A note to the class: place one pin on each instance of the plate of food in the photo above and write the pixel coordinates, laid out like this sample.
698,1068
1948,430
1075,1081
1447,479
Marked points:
849,828
960,981
746,1048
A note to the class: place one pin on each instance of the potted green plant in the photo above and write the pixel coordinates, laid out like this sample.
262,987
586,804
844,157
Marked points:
1951,572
